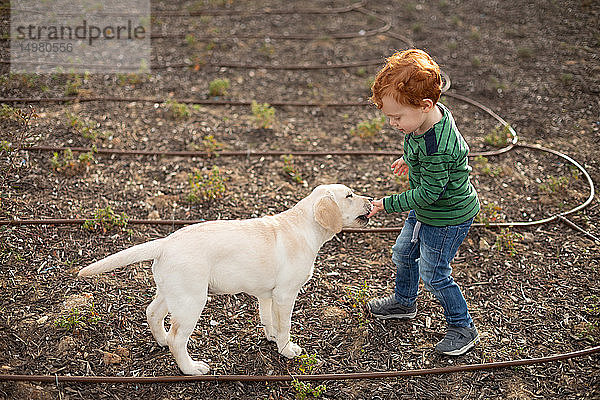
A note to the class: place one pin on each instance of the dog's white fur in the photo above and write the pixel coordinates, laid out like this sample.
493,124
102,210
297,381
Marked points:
269,257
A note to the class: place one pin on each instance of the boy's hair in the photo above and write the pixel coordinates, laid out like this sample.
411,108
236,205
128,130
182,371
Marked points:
409,77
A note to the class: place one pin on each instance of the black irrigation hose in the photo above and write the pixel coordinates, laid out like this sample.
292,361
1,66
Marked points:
318,377
561,216
223,64
322,36
266,11
214,102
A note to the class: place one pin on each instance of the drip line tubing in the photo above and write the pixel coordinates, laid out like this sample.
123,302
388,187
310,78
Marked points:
561,216
322,36
221,12
222,64
317,377
240,153
216,102
266,11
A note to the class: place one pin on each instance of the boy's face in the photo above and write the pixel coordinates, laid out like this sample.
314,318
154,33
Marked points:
405,118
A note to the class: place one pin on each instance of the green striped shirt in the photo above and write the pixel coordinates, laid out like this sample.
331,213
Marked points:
440,192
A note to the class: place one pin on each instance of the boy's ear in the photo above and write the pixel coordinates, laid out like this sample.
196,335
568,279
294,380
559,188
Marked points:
427,105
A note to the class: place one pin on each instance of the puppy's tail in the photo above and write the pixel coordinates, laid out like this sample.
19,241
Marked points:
141,252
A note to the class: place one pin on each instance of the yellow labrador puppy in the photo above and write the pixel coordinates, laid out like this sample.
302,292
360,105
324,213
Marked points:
269,257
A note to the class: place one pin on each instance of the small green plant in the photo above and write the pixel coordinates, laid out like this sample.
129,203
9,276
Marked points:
290,170
489,213
525,52
206,187
177,110
66,160
475,34
76,319
497,85
505,241
554,185
267,49
499,136
307,363
482,164
566,78
6,147
358,298
87,129
591,305
190,39
66,163
362,72
264,114
370,128
73,85
209,145
106,219
130,79
305,390
9,112
218,87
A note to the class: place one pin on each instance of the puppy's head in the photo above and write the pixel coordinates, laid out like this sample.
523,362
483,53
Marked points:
337,207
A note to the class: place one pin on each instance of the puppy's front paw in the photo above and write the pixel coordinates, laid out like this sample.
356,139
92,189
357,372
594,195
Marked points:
291,350
196,368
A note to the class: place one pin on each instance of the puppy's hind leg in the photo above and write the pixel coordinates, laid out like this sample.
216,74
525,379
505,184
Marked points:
266,317
156,313
184,316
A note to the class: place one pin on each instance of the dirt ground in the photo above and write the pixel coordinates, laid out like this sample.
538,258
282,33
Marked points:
531,291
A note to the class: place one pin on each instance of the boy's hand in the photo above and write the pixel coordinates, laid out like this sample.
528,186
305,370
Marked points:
377,206
400,167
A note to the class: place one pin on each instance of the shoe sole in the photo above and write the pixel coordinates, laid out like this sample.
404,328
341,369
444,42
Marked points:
462,350
395,316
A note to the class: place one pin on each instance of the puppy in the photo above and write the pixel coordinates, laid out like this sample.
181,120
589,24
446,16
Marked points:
269,258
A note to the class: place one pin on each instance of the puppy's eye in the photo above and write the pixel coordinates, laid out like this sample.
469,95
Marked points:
349,195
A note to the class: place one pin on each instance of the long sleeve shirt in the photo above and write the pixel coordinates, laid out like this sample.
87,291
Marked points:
440,192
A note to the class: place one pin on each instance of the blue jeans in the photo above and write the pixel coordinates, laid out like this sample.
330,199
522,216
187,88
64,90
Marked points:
428,257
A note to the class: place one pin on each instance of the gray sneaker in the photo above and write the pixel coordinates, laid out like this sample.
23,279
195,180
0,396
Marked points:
458,340
388,307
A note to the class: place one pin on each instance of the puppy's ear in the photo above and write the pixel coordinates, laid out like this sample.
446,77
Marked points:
328,214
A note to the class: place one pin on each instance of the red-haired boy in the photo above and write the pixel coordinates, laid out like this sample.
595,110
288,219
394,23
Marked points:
441,200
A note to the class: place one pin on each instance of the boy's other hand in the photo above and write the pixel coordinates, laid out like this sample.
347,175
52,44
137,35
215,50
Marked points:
377,206
400,167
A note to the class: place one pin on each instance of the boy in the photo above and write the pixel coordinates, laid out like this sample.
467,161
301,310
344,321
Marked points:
441,200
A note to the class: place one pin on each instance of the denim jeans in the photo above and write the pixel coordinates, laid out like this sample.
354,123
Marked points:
428,257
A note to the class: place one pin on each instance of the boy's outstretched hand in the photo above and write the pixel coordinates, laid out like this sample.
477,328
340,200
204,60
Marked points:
377,206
